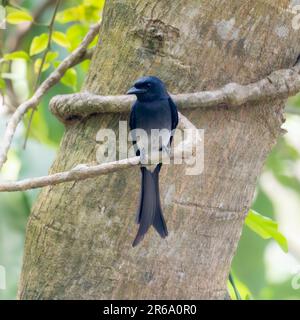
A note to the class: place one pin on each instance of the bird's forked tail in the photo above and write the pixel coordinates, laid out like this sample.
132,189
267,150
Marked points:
149,211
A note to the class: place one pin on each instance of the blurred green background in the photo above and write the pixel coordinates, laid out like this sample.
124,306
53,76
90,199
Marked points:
261,269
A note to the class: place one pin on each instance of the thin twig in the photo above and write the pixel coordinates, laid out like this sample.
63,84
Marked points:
86,171
80,172
75,57
236,291
14,44
51,26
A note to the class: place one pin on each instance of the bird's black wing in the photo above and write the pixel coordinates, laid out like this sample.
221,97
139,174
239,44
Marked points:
132,122
174,113
132,126
174,116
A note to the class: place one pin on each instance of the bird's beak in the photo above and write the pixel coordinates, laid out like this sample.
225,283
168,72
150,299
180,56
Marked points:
135,90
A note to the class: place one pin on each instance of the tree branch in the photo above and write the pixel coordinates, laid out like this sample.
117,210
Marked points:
279,84
51,26
80,172
75,57
86,171
15,42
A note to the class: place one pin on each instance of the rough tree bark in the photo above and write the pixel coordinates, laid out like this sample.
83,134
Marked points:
79,235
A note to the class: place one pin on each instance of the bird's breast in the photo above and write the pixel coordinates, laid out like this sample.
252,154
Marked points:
153,115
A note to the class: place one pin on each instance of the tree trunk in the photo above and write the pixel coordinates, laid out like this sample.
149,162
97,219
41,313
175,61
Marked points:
79,235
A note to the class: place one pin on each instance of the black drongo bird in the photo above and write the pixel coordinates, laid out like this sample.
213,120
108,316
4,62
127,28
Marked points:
154,109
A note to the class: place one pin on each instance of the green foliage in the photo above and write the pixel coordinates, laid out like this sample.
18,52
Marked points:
14,211
16,55
38,64
249,264
15,207
71,14
50,57
266,228
70,78
39,44
74,23
45,131
18,17
293,104
242,292
61,39
75,33
68,32
2,83
88,11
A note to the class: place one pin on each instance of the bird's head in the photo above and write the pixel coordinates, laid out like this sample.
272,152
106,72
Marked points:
149,89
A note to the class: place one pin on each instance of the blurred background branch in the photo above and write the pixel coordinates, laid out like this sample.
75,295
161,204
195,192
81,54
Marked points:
39,73
15,43
56,75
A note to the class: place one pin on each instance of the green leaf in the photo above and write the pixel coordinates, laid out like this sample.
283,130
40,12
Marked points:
71,14
16,55
94,42
39,44
95,3
51,55
37,65
18,17
70,78
75,34
87,12
241,287
2,83
61,39
266,228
